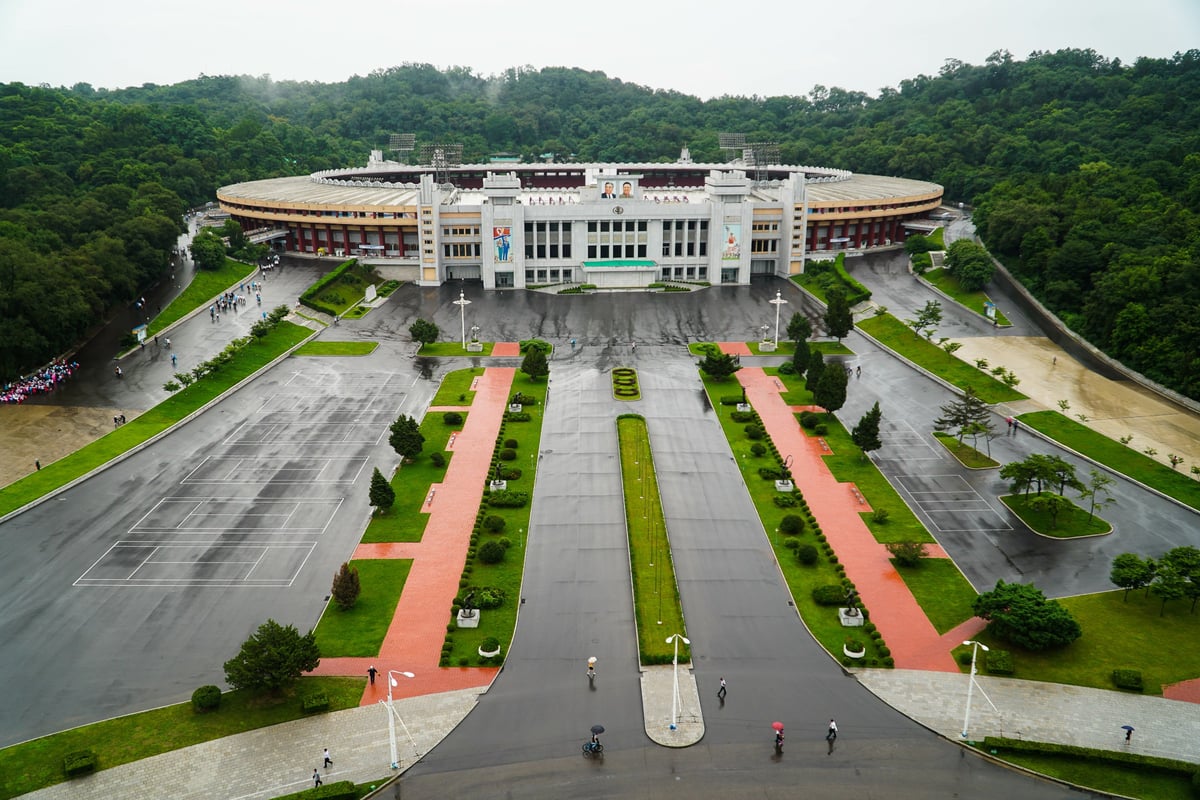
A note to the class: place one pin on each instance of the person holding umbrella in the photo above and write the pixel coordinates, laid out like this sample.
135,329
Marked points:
594,748
778,726
1128,733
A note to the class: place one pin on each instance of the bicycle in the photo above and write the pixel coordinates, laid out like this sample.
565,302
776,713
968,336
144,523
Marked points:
593,750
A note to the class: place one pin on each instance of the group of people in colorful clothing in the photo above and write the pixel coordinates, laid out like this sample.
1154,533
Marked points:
41,382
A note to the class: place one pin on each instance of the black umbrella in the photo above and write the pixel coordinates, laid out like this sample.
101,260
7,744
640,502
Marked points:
597,729
1126,727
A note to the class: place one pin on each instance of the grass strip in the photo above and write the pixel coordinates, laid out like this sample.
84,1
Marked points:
1072,521
940,589
968,456
405,521
359,631
656,602
456,388
320,348
1114,455
950,286
896,336
203,289
1121,780
506,575
38,763
245,363
453,349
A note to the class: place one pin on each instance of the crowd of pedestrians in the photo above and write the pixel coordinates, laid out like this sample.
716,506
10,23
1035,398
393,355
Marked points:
42,382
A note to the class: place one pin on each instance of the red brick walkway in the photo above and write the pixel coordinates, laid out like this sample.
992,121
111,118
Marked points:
414,640
1187,691
914,642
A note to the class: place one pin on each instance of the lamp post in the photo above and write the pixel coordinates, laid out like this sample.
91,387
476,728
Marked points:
462,303
971,684
677,638
393,716
778,302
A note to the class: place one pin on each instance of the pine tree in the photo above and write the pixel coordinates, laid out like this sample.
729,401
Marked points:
345,587
720,366
535,365
961,415
866,432
273,658
830,393
816,367
381,495
838,319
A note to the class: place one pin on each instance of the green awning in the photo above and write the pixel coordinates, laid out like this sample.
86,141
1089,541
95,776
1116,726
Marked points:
621,262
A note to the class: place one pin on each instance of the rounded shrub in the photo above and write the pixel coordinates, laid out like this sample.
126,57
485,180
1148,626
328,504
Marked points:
508,454
511,443
437,459
821,429
791,543
493,523
491,552
791,524
757,450
452,418
206,698
754,432
806,554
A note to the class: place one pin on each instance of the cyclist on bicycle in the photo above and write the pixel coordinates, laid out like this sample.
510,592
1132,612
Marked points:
591,672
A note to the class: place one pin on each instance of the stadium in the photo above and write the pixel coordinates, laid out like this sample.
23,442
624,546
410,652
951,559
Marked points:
615,225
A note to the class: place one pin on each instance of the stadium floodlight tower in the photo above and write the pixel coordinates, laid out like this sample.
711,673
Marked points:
402,143
759,155
441,157
732,143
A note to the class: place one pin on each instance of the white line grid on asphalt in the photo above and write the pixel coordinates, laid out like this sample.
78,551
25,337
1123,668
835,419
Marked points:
310,432
917,446
244,470
243,515
950,503
177,564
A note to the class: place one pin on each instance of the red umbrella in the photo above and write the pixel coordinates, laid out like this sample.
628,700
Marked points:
777,726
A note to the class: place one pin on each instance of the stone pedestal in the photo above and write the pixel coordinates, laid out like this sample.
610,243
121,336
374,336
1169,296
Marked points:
474,347
783,486
766,347
497,486
465,621
515,408
849,620
744,407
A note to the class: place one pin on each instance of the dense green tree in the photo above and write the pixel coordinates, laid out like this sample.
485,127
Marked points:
405,437
838,319
866,432
1021,614
535,364
423,331
968,413
1131,571
381,494
816,368
970,264
830,393
346,587
799,328
928,317
273,658
719,366
208,251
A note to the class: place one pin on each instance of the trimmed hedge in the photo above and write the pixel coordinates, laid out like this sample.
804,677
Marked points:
312,703
206,698
1186,768
507,499
308,298
81,762
829,595
1000,662
1128,679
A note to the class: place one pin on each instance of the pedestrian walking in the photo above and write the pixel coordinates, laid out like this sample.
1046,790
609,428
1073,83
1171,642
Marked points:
328,760
371,673
38,463
831,734
168,342
316,778
721,691
172,359
1128,735
1009,421
1016,425
156,341
858,371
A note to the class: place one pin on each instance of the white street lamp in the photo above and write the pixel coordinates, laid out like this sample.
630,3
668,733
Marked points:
971,684
677,638
778,302
393,716
462,303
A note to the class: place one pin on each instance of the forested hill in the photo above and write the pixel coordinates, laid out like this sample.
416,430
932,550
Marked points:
1085,171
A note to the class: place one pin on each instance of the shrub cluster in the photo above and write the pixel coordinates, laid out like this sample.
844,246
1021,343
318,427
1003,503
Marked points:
1000,662
206,698
625,383
452,418
1128,679
80,762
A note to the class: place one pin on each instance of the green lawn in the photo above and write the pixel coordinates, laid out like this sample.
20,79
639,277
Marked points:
204,288
968,456
38,763
360,631
897,336
456,388
1123,780
972,300
322,348
451,349
941,590
1116,456
405,521
1072,520
1116,634
655,593
170,411
506,575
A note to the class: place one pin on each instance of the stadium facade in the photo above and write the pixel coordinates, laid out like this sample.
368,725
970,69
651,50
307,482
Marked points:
516,225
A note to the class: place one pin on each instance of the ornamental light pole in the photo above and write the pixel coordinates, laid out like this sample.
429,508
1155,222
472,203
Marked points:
778,302
462,303
393,716
676,638
971,684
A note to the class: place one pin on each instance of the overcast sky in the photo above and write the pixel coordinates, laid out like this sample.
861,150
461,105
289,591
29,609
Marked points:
702,47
